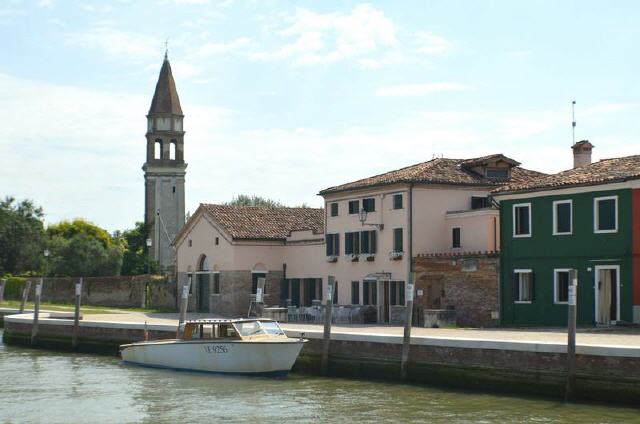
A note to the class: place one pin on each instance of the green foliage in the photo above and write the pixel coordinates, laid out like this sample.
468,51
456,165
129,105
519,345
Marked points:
261,202
21,236
135,260
14,286
69,229
80,248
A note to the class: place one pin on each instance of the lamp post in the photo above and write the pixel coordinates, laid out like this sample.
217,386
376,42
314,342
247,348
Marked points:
362,216
149,244
46,261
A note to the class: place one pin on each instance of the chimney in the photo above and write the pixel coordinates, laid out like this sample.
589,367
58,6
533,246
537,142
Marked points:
582,153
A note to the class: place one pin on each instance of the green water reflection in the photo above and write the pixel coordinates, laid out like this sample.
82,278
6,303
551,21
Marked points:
42,386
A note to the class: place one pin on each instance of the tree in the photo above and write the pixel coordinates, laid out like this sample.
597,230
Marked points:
261,202
135,260
21,236
80,248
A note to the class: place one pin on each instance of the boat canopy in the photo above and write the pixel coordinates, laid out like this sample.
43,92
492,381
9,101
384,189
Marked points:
229,329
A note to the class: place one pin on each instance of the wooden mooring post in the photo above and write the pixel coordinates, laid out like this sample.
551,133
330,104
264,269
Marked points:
3,283
36,311
184,304
406,340
326,338
25,294
76,315
571,336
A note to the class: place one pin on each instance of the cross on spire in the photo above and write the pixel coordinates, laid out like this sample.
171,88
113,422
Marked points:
166,49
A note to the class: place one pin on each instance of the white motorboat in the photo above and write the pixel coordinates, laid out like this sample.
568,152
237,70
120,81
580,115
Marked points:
234,346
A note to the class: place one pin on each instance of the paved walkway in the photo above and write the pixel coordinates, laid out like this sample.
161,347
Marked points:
621,336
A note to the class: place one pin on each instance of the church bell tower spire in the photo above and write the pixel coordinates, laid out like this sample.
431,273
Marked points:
164,169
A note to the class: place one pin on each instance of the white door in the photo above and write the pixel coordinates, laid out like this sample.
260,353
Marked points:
607,291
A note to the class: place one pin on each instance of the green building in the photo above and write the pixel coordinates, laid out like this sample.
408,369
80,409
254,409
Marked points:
587,219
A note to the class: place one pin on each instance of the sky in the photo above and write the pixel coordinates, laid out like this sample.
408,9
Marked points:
283,99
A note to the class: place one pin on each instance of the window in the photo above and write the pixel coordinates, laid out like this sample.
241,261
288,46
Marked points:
254,281
216,283
397,240
172,149
522,220
562,222
157,152
334,209
523,286
497,173
455,237
217,241
561,281
174,189
368,242
190,243
335,293
605,211
355,292
479,202
333,244
354,207
369,292
352,243
369,205
396,293
397,201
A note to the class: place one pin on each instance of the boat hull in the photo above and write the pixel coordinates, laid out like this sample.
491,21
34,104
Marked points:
241,357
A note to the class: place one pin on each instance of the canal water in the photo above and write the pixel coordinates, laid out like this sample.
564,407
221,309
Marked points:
53,387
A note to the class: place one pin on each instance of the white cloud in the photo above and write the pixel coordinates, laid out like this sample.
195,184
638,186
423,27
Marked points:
402,90
116,43
365,35
216,48
319,38
45,3
429,43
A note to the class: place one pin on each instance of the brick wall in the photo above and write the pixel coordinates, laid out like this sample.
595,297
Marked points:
466,283
113,291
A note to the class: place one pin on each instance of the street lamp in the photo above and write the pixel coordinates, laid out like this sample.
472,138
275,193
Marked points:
362,216
46,261
149,243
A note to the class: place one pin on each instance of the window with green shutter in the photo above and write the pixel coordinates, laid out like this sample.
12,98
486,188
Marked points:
397,201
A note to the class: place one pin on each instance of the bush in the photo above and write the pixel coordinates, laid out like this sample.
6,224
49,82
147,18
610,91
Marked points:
13,288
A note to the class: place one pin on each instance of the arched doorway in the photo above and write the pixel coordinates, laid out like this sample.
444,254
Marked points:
203,277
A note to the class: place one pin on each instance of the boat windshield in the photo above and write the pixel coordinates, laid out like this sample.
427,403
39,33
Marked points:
272,328
253,328
249,328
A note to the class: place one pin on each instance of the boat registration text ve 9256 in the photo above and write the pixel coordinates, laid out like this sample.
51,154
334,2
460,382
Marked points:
215,349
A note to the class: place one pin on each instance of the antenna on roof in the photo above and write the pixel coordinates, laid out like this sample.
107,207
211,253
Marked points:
573,123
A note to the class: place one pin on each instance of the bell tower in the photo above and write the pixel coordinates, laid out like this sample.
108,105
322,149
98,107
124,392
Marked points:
164,169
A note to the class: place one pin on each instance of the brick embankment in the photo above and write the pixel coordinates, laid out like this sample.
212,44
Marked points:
608,365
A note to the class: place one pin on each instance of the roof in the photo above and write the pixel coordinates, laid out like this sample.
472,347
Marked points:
165,98
259,223
603,172
441,171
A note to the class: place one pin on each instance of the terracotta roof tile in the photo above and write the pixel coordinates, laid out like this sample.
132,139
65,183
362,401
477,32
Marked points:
603,172
165,98
250,222
440,171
